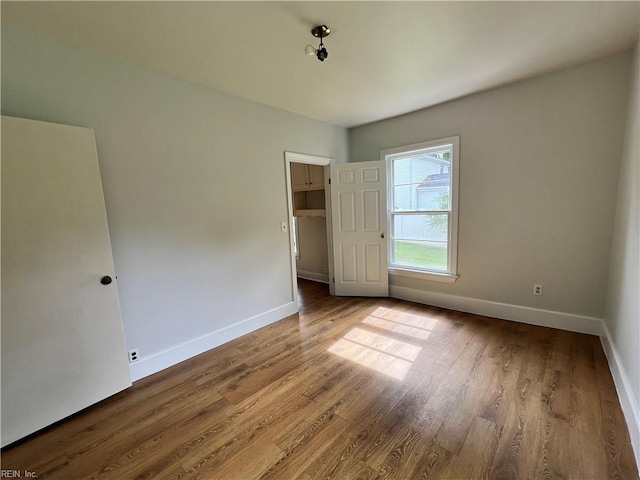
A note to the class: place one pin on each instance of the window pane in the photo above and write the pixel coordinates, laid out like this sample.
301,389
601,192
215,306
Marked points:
402,198
423,182
433,193
431,227
411,170
421,241
402,171
420,255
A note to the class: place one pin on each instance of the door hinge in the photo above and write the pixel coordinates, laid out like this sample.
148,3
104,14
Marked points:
329,181
334,279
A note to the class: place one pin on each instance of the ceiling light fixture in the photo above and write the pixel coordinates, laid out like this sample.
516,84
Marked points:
320,32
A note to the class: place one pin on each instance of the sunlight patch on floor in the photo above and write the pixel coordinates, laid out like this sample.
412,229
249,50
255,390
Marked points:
383,344
411,319
382,362
397,327
384,354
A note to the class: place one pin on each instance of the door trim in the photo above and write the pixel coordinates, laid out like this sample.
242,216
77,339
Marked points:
294,157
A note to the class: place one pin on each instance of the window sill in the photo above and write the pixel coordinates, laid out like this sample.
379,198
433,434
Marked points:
436,277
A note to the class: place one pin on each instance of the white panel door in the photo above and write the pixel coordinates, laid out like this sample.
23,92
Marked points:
63,345
358,200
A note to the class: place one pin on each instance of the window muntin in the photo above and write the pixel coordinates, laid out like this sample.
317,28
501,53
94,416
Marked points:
422,206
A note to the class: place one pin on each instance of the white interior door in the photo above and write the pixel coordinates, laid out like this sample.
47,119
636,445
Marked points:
359,199
63,345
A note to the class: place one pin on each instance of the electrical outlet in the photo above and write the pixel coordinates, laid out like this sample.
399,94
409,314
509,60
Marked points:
537,289
326,271
134,355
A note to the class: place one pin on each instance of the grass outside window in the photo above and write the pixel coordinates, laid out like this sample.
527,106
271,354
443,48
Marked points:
420,255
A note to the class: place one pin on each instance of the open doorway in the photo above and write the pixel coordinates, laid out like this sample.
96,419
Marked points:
309,219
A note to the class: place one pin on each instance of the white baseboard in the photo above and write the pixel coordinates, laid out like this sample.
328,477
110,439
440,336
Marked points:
505,311
628,402
316,277
159,361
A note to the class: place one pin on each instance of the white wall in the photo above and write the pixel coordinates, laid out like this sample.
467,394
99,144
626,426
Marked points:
194,184
622,314
539,168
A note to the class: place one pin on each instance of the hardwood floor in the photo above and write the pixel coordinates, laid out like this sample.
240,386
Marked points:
357,388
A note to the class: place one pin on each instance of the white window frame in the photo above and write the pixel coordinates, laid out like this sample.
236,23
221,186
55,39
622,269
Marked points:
390,154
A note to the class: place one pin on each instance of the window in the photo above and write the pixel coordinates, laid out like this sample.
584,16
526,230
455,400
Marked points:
422,209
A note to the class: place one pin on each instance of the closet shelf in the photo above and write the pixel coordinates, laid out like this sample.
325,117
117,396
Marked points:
311,213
